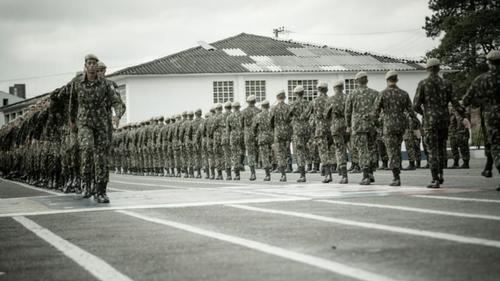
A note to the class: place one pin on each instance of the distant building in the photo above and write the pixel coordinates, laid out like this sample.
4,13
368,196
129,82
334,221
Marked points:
246,64
17,93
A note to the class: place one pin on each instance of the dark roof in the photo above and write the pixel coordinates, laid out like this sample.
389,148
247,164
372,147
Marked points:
253,53
22,104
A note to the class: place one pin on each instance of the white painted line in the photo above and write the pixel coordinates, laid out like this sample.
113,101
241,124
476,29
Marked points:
35,188
153,206
328,265
397,229
93,264
458,198
148,184
119,189
410,209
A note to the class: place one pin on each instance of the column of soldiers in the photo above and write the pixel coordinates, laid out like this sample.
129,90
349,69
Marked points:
321,132
63,141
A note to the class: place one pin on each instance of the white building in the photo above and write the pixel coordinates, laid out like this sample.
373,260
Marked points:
7,100
233,68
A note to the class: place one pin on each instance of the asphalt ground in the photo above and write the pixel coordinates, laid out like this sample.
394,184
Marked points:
159,228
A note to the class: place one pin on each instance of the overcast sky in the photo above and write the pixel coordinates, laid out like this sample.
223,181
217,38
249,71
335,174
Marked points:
44,41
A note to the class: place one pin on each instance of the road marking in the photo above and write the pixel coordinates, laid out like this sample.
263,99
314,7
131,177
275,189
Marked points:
397,229
459,198
148,184
410,209
93,264
101,208
328,265
34,188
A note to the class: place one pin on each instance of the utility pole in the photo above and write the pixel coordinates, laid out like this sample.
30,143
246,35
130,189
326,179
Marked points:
278,30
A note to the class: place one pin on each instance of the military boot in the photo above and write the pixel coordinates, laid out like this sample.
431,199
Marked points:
418,164
343,174
198,173
328,174
179,172
228,174
207,173
370,175
435,180
186,172
498,188
252,173
366,177
268,175
455,164
275,168
465,165
191,172
101,197
488,167
219,175
236,174
289,168
396,181
333,168
411,166
283,174
302,171
315,168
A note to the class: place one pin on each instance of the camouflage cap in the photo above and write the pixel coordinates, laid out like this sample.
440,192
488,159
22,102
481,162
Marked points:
91,57
298,89
322,85
185,113
101,65
390,74
493,55
161,118
338,83
218,106
251,98
360,74
198,111
281,94
178,116
236,104
190,113
264,103
432,62
227,104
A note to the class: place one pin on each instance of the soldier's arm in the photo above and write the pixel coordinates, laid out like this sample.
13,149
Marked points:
348,112
418,100
471,97
379,105
73,104
116,101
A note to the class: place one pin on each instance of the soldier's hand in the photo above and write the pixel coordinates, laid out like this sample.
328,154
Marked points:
466,123
348,130
116,121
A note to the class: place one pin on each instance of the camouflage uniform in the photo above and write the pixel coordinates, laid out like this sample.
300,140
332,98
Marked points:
197,143
226,148
89,103
264,132
300,128
459,139
336,114
234,128
360,119
218,132
396,106
484,92
431,100
248,115
280,119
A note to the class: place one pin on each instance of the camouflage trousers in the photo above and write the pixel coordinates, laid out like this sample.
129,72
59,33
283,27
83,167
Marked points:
94,146
300,149
237,149
325,154
265,155
251,148
354,152
280,152
218,154
226,151
435,139
313,155
178,156
412,144
188,154
381,150
340,148
459,143
205,154
365,145
393,142
493,139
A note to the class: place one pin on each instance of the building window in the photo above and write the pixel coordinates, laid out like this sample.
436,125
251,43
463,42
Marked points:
7,118
350,85
256,88
5,102
310,91
223,91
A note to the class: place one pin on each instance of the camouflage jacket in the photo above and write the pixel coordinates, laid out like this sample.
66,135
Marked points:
396,107
484,91
299,116
248,115
234,127
280,120
335,112
261,127
359,110
431,101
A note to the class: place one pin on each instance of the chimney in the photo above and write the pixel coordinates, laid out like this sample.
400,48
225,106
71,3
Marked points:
18,90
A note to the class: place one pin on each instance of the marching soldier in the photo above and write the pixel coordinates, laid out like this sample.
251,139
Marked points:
264,132
280,119
248,115
300,128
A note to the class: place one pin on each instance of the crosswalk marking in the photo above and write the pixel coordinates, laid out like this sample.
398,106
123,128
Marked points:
328,265
93,264
410,209
458,198
396,229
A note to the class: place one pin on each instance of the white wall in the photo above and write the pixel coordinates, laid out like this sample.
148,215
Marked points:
12,99
167,95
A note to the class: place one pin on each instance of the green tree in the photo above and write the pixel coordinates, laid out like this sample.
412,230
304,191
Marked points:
469,29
